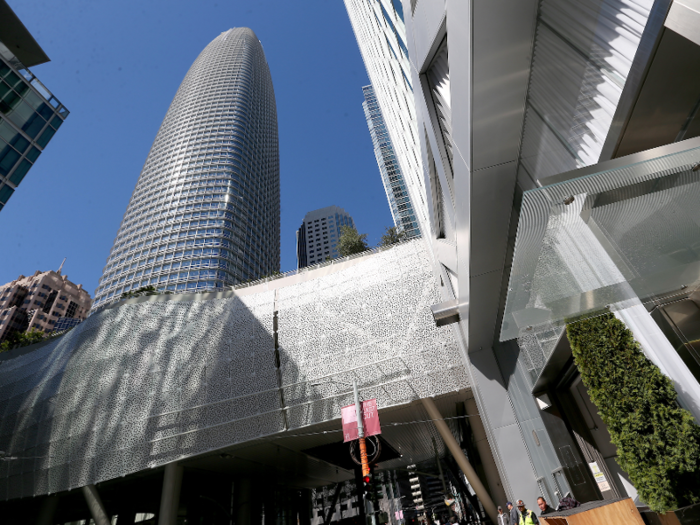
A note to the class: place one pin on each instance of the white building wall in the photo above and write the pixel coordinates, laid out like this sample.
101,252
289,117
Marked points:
381,36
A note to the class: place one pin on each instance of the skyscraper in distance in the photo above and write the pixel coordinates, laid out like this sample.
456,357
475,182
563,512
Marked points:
380,32
205,212
394,183
318,235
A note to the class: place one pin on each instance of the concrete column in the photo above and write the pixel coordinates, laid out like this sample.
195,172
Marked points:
493,479
461,459
270,504
304,507
94,502
242,493
170,496
47,509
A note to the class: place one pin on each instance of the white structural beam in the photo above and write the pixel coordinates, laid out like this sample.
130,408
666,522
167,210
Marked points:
460,458
170,497
94,502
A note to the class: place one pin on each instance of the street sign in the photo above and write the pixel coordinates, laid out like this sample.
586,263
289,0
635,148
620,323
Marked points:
370,420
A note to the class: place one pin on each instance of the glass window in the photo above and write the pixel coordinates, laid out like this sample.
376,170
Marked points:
56,122
33,125
4,89
20,143
9,102
20,172
32,99
45,111
21,88
5,193
11,78
8,158
33,154
45,137
7,132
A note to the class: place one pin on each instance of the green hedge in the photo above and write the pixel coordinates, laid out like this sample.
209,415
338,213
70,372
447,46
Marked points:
658,443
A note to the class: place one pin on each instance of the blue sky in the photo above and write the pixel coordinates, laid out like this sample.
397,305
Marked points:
117,65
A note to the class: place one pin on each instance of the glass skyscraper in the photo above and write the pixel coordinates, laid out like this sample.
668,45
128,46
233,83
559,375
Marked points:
392,178
319,233
29,113
205,212
380,32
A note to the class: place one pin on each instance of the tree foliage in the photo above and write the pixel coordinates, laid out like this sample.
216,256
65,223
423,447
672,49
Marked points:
351,241
144,290
19,339
392,236
658,442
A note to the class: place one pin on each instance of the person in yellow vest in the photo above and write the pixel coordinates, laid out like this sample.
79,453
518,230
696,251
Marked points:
527,517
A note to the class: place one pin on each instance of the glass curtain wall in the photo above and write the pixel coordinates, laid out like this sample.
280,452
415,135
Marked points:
206,209
392,178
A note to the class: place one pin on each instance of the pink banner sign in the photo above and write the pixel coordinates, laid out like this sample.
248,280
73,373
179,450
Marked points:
370,420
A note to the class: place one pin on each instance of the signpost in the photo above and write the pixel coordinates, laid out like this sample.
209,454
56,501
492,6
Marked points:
360,421
370,420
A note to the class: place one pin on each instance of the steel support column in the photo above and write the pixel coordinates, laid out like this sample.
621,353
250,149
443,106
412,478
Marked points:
47,510
482,446
94,502
460,458
170,497
243,491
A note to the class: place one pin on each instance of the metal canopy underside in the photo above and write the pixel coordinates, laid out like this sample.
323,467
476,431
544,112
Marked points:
18,39
605,237
286,457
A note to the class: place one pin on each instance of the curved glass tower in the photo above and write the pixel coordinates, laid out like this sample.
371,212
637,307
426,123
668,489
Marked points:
205,212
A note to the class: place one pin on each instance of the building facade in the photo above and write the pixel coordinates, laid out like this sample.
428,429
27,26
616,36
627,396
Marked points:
381,36
243,388
29,114
318,235
555,137
41,302
389,168
206,209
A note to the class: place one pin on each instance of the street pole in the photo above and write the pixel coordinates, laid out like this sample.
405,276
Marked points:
360,430
363,445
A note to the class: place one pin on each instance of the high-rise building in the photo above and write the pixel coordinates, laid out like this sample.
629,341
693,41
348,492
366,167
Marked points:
317,237
40,301
206,209
389,167
381,35
555,136
29,113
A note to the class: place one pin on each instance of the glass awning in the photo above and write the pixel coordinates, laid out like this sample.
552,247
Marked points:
606,237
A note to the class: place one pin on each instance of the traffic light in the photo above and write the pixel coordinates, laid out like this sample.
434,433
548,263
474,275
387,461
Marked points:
366,485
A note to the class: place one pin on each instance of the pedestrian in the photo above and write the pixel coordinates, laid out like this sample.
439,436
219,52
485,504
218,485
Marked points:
503,519
527,517
544,507
514,516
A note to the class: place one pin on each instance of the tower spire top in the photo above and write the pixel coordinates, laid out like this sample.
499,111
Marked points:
61,267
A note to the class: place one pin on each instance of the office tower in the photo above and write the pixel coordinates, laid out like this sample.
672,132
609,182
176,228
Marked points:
317,237
389,168
570,123
381,36
29,113
205,211
40,301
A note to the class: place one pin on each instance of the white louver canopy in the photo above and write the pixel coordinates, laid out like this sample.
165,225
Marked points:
605,237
